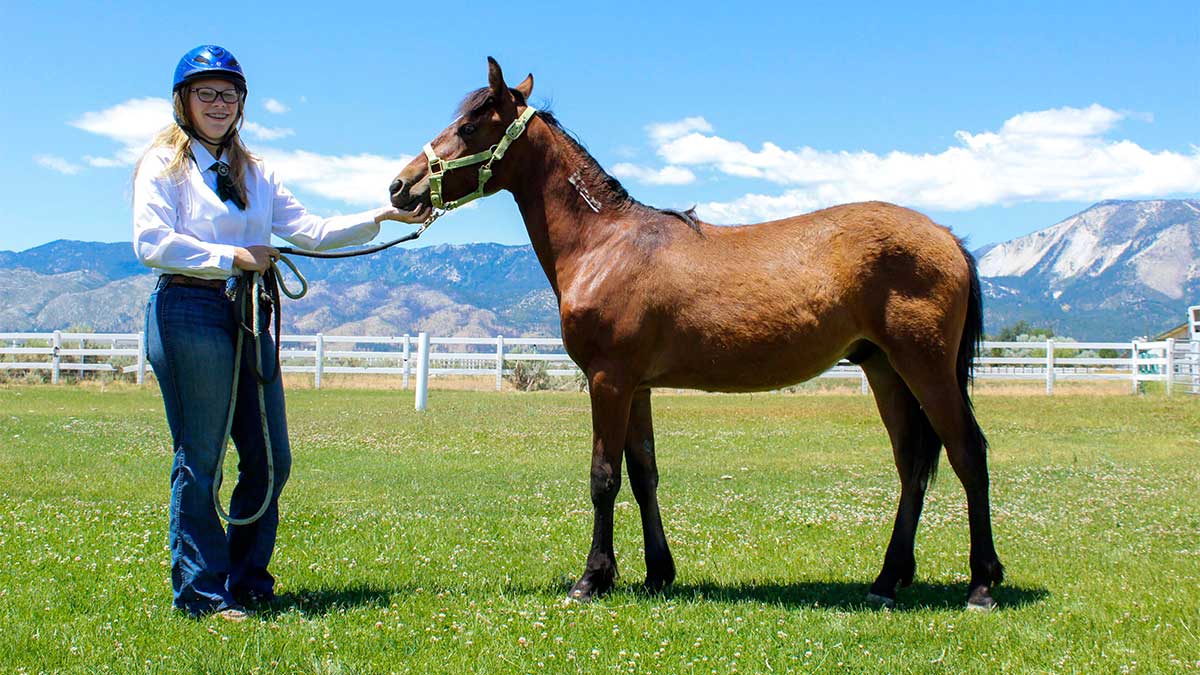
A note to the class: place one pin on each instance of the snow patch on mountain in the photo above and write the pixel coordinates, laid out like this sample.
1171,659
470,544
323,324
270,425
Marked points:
1014,258
1155,237
1168,263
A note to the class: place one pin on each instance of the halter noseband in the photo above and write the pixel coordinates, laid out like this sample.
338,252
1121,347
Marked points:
438,167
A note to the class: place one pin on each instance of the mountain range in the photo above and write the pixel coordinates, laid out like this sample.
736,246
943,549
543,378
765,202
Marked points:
1113,271
1118,269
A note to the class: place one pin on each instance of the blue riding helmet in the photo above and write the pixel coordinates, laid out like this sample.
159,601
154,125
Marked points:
209,61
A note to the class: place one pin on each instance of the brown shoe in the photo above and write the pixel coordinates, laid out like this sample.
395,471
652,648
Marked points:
232,614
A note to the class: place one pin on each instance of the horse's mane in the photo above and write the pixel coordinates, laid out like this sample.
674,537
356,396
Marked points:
479,99
592,169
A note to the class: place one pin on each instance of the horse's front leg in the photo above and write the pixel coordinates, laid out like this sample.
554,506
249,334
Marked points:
611,395
643,480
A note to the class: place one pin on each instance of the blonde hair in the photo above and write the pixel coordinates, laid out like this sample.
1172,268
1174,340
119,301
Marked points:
173,136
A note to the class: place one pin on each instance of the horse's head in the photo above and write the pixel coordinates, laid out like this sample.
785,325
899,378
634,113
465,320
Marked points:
463,162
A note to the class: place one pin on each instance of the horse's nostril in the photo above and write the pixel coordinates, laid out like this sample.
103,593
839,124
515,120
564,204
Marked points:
396,186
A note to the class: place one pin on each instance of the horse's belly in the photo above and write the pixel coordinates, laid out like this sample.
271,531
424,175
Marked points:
758,367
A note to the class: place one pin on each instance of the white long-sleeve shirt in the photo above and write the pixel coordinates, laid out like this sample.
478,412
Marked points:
184,228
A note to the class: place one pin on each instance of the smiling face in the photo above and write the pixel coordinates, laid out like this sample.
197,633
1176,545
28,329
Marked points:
212,120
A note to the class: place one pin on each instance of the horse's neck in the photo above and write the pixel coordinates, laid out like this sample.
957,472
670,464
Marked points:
566,207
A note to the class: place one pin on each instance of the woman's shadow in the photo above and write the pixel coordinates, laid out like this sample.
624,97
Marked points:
322,601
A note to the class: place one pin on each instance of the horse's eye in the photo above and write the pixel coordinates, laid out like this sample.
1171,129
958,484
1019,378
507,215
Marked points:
466,129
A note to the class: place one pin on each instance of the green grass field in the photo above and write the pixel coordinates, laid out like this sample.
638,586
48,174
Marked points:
444,542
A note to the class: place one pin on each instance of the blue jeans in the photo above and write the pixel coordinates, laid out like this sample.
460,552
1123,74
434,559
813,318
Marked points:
191,335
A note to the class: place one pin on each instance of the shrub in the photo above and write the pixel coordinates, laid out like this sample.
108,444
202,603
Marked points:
529,375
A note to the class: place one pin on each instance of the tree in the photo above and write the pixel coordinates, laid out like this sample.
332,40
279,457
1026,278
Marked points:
1022,327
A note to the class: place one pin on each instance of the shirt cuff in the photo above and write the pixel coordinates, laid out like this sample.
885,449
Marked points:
223,255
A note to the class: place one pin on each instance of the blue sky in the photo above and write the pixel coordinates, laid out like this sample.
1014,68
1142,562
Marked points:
996,120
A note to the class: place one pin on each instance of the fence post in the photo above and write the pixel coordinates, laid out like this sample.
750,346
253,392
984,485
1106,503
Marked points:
55,359
1133,366
422,370
407,351
320,367
863,388
1195,365
141,366
1050,367
1170,364
499,362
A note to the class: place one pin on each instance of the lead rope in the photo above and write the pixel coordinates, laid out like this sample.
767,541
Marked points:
244,289
252,285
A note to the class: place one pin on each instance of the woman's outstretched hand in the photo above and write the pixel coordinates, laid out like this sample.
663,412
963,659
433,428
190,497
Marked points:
417,215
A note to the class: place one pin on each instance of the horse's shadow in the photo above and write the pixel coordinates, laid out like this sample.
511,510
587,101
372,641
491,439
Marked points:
848,596
831,595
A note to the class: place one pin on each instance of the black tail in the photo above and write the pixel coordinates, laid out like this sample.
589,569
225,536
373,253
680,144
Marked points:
972,336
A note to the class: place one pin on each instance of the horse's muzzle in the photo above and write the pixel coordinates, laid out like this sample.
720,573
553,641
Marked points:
410,188
402,197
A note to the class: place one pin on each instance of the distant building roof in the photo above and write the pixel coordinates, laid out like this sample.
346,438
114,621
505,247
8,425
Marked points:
1179,332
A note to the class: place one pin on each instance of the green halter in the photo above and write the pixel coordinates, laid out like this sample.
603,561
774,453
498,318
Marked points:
438,167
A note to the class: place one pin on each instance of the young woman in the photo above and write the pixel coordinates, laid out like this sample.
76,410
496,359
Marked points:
204,210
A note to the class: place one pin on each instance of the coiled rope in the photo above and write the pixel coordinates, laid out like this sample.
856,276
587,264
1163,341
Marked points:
249,291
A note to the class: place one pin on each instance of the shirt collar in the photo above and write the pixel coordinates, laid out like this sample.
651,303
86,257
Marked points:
204,158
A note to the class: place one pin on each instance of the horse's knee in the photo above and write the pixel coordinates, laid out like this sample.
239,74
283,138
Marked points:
606,483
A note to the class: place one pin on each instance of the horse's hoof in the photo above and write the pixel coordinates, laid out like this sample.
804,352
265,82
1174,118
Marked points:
980,600
581,592
880,601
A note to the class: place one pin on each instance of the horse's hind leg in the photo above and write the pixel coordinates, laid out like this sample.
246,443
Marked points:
643,479
915,449
611,396
949,411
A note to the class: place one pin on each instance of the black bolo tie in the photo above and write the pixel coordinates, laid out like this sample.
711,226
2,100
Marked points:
225,188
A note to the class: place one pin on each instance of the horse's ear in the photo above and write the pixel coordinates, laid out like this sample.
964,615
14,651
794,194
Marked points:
526,86
496,80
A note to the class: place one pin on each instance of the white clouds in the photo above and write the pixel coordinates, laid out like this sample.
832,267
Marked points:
133,124
1049,155
262,133
666,131
668,175
274,106
1090,121
356,179
58,164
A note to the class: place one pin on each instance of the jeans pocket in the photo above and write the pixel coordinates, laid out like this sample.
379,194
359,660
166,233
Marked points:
146,324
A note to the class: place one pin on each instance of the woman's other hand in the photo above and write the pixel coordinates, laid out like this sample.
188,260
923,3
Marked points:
255,258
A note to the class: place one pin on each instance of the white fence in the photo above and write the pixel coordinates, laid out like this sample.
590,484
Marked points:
1174,363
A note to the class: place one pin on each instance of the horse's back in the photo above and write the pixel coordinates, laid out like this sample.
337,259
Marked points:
786,299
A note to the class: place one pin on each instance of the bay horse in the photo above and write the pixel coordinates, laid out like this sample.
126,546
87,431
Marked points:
653,298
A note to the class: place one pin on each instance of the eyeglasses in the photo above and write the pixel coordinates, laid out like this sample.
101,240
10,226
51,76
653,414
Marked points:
207,95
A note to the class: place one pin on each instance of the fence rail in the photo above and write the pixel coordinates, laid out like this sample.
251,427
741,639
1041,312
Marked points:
1175,363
